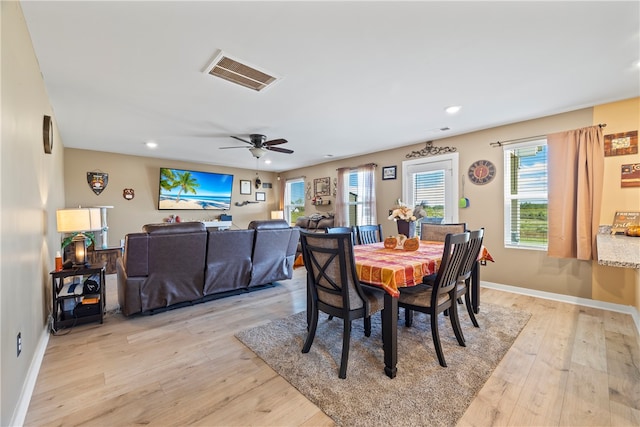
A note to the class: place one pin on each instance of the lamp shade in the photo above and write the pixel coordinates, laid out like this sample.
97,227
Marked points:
277,214
79,219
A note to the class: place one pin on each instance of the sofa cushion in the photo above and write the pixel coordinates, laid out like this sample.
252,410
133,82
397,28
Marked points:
273,255
176,265
174,227
302,222
228,260
325,223
268,224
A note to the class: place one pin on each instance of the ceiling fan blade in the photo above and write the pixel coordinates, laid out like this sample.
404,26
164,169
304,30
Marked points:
240,139
279,150
224,148
276,142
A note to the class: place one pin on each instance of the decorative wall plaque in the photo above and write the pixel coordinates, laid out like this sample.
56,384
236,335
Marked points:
97,181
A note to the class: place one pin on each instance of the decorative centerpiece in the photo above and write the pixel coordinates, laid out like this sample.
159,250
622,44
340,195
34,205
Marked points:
406,218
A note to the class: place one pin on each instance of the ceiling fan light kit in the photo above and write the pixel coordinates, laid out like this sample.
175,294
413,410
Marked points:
260,145
257,152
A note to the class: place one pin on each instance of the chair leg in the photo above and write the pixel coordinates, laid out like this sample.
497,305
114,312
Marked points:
312,331
367,326
382,325
408,317
436,339
467,300
346,338
455,324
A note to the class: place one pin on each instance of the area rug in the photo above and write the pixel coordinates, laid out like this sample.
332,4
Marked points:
423,392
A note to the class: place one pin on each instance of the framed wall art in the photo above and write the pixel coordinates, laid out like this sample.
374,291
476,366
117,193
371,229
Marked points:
619,144
322,186
389,172
630,175
261,196
245,186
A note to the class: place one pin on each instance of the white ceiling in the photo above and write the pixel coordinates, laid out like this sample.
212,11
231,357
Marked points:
357,77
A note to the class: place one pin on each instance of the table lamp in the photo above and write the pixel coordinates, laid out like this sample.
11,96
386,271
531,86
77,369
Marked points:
277,214
78,220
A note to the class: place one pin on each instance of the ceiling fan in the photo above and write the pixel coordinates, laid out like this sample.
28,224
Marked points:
260,145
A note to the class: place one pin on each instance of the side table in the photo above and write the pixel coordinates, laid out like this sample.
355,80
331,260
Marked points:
70,304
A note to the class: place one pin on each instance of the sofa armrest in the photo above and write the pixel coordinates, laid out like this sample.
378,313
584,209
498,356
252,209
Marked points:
136,254
128,290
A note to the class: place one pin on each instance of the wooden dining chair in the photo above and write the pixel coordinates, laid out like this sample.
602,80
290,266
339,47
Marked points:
435,299
369,234
334,288
464,281
437,232
352,230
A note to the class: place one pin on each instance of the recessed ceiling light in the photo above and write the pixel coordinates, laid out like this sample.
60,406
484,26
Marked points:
453,109
151,144
268,161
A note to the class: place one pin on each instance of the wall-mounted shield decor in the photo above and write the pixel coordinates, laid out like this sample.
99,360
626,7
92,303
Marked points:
97,181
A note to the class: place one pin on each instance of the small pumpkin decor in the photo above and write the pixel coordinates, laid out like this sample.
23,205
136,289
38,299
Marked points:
411,244
390,242
402,242
632,230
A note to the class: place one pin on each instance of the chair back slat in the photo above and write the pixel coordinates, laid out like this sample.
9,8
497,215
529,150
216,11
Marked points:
368,234
473,251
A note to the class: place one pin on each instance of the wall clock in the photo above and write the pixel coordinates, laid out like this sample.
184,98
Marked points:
482,172
47,134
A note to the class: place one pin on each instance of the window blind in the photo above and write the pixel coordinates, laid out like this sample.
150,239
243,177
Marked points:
526,182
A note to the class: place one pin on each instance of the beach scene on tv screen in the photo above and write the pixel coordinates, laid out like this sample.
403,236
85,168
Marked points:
183,189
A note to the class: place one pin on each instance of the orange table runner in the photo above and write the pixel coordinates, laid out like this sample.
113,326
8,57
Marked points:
394,268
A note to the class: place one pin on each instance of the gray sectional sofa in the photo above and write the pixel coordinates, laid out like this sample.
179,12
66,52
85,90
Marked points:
167,265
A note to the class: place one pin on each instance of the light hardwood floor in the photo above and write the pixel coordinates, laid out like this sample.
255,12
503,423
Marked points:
571,365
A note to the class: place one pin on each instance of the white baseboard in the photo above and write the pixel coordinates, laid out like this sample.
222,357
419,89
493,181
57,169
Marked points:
627,309
29,385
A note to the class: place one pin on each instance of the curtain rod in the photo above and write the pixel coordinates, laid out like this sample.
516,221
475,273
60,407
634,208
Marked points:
529,138
375,165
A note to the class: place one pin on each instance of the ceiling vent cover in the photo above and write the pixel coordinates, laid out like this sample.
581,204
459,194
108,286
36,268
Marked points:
234,71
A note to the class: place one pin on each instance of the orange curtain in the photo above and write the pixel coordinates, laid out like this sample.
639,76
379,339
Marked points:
576,170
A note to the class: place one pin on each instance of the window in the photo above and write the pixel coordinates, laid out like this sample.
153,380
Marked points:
431,183
358,195
525,195
294,199
429,191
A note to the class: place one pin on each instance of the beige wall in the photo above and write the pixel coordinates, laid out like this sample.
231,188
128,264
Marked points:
142,174
32,189
612,284
517,267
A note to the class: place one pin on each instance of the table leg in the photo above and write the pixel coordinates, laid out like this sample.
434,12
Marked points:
475,287
390,335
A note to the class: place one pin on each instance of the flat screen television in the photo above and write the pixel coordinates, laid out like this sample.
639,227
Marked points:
187,189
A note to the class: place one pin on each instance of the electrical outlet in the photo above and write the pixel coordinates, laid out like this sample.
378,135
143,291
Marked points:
19,343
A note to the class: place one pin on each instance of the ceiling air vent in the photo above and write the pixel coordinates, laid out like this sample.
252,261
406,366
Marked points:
234,71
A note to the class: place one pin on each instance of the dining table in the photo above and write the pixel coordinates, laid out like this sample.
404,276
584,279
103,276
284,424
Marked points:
392,269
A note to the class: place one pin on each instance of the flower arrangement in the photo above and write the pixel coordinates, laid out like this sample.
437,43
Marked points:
406,213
